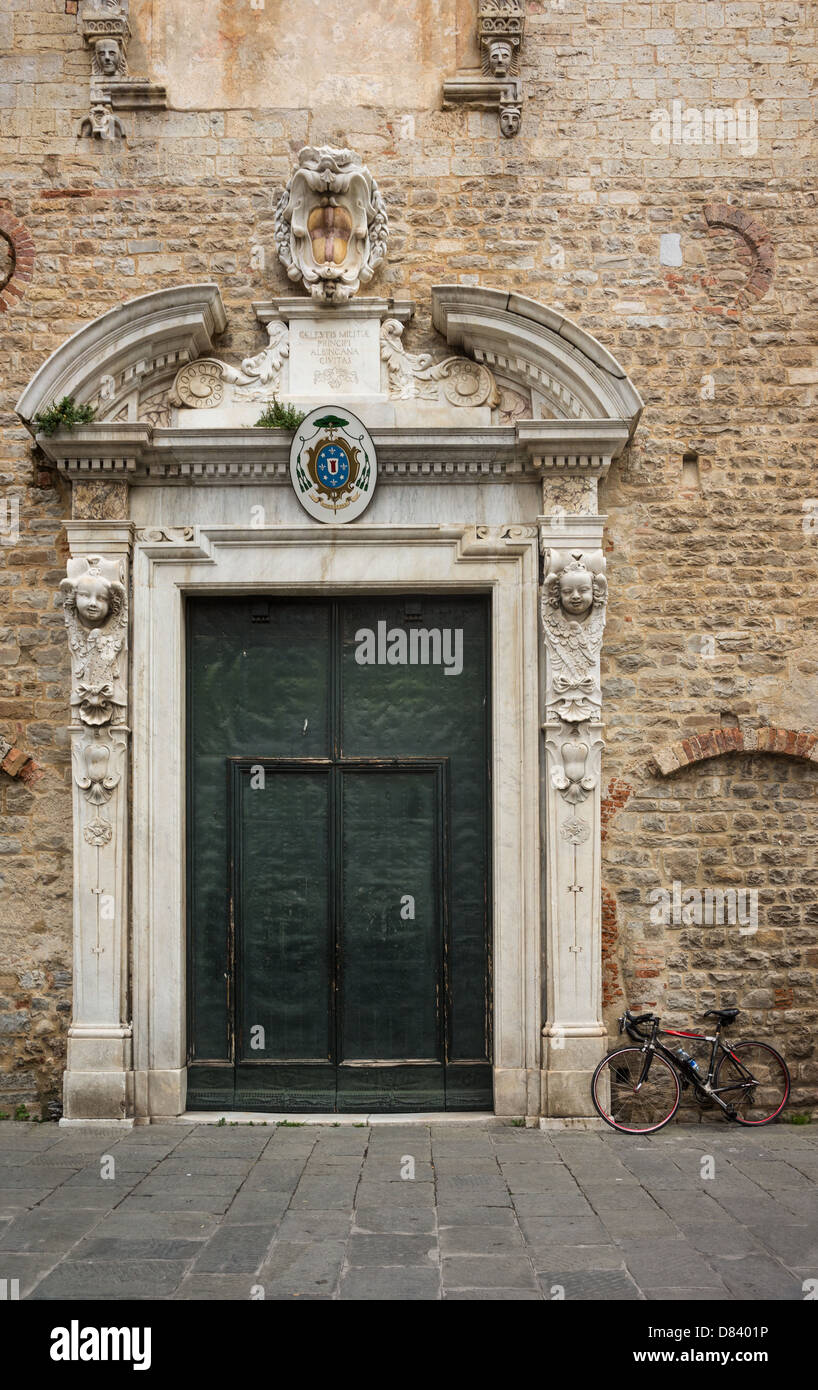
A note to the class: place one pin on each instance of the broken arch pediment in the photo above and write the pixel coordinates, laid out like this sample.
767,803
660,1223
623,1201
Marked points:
513,384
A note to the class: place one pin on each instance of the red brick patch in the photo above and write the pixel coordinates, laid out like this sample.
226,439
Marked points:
757,239
793,743
22,245
618,793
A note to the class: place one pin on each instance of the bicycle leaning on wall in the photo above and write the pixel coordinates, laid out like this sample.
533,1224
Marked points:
637,1089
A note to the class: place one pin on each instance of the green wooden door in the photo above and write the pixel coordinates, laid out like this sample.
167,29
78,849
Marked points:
338,855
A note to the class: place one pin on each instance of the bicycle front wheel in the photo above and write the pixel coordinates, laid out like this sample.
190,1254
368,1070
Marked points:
626,1105
753,1079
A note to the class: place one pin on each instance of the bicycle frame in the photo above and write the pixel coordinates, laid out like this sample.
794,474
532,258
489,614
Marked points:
651,1045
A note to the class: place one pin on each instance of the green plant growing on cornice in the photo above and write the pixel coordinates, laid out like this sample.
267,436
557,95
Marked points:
63,415
279,417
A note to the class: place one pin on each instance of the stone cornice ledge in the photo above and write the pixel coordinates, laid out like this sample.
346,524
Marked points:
146,454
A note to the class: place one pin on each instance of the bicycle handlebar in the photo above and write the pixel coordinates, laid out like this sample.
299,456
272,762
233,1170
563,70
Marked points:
629,1020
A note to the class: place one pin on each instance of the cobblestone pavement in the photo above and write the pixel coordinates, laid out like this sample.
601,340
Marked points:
328,1212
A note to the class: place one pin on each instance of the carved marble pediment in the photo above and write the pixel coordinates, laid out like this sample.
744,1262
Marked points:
448,382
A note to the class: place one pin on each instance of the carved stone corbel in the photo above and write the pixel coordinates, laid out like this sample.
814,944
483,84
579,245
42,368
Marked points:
501,32
107,32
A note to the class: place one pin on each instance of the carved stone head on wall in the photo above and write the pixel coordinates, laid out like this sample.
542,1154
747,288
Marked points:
96,616
108,59
331,224
501,55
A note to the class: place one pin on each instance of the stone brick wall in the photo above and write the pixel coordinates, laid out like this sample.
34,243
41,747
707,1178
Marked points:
712,569
745,822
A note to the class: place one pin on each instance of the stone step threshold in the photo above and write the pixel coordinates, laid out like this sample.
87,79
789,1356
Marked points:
246,1117
263,1117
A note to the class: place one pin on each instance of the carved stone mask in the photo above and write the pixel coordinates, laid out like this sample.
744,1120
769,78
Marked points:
500,56
108,59
510,120
331,225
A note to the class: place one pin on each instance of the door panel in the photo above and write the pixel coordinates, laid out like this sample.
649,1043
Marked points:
283,923
419,710
313,984
258,684
391,947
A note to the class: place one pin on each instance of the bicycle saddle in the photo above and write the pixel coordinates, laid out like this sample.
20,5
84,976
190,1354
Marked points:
726,1015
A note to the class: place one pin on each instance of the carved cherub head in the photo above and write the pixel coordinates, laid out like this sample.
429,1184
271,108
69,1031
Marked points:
108,60
93,597
575,588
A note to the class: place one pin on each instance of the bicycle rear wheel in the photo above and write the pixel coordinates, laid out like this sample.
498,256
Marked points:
634,1109
753,1078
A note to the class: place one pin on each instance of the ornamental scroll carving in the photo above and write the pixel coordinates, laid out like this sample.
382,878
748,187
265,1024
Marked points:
417,375
96,616
331,224
200,385
458,380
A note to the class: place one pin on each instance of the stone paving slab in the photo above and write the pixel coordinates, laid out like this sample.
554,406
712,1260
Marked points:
489,1212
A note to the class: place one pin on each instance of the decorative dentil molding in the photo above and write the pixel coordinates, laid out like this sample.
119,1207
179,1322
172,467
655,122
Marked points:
501,32
107,32
96,615
331,224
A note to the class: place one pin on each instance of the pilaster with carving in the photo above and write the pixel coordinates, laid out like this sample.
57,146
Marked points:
573,608
95,601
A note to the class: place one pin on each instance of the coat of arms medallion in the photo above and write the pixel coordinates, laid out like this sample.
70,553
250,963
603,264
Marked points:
333,465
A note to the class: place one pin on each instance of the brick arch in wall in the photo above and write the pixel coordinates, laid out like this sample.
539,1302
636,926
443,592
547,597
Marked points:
725,829
20,240
793,743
